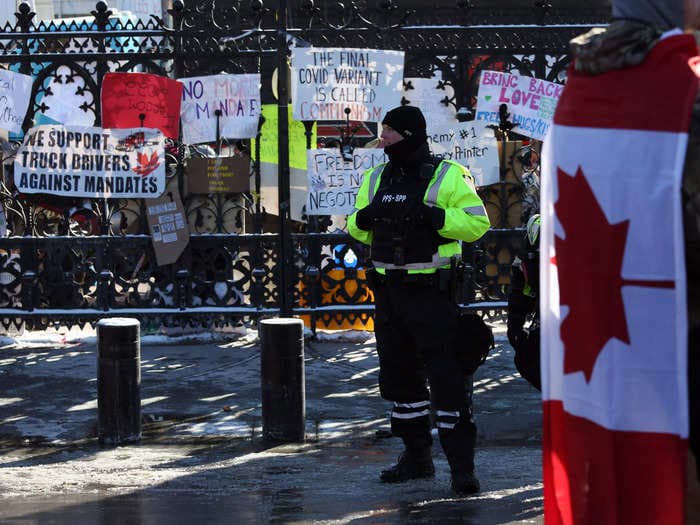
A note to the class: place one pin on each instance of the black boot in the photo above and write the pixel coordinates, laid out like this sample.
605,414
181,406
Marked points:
465,483
413,463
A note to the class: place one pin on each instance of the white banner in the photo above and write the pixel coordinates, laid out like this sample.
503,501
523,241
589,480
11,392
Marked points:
531,102
326,81
471,144
91,162
15,90
236,99
333,182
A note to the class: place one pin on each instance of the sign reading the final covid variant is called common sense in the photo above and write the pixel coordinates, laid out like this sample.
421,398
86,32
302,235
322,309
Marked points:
327,81
531,101
81,161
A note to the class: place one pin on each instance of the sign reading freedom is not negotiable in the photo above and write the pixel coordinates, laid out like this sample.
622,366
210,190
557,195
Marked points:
333,182
531,101
91,162
326,81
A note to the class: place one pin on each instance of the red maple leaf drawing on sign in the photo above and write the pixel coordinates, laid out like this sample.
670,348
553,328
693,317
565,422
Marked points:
589,266
146,164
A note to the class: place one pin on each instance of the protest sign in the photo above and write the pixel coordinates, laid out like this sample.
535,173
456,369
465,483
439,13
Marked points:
531,101
326,81
63,106
269,168
333,182
236,98
218,175
428,94
15,90
471,144
131,100
80,161
169,231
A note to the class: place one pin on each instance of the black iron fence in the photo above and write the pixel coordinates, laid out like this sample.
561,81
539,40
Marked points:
68,262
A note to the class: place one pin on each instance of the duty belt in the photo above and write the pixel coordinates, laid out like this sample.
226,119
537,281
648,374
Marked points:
403,277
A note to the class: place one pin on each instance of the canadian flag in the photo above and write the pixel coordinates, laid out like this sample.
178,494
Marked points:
613,301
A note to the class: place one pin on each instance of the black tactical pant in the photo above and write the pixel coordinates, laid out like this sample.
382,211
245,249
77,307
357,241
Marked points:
417,341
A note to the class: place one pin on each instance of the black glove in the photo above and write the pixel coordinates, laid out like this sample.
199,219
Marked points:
364,218
432,216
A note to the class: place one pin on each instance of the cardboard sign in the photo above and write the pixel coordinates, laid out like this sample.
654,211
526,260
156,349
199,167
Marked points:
326,81
128,96
169,231
218,175
235,97
333,182
531,101
15,90
78,161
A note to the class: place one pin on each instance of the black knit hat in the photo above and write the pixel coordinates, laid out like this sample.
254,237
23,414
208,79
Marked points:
408,121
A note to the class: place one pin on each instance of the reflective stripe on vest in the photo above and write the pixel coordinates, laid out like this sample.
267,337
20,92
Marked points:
475,210
431,197
373,178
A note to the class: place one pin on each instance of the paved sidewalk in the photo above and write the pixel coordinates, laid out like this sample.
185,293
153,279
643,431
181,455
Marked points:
202,457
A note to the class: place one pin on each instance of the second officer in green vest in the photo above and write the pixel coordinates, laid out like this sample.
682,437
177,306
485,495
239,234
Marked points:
413,211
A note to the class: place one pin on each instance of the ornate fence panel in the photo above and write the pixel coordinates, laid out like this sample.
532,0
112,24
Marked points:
71,261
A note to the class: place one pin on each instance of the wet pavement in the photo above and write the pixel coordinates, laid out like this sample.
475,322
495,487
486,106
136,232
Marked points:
202,458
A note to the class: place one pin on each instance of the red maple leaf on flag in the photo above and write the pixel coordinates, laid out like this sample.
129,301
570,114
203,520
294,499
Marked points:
589,265
146,164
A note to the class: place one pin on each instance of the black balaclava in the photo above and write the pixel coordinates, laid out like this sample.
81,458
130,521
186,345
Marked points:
663,14
409,122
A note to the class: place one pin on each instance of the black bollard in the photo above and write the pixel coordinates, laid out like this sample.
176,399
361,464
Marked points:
282,379
118,381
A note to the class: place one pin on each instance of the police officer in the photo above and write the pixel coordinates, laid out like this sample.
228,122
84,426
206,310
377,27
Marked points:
413,211
523,307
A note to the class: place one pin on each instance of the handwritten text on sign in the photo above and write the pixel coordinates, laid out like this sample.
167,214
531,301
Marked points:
471,144
15,90
326,81
131,100
236,99
333,183
531,101
91,162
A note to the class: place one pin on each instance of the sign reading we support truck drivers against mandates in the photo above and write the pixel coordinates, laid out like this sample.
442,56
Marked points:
333,182
78,161
326,81
531,101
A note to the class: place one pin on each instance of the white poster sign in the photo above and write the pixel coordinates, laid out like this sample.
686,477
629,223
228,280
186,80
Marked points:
472,144
428,94
333,182
531,101
327,81
15,90
80,161
232,99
